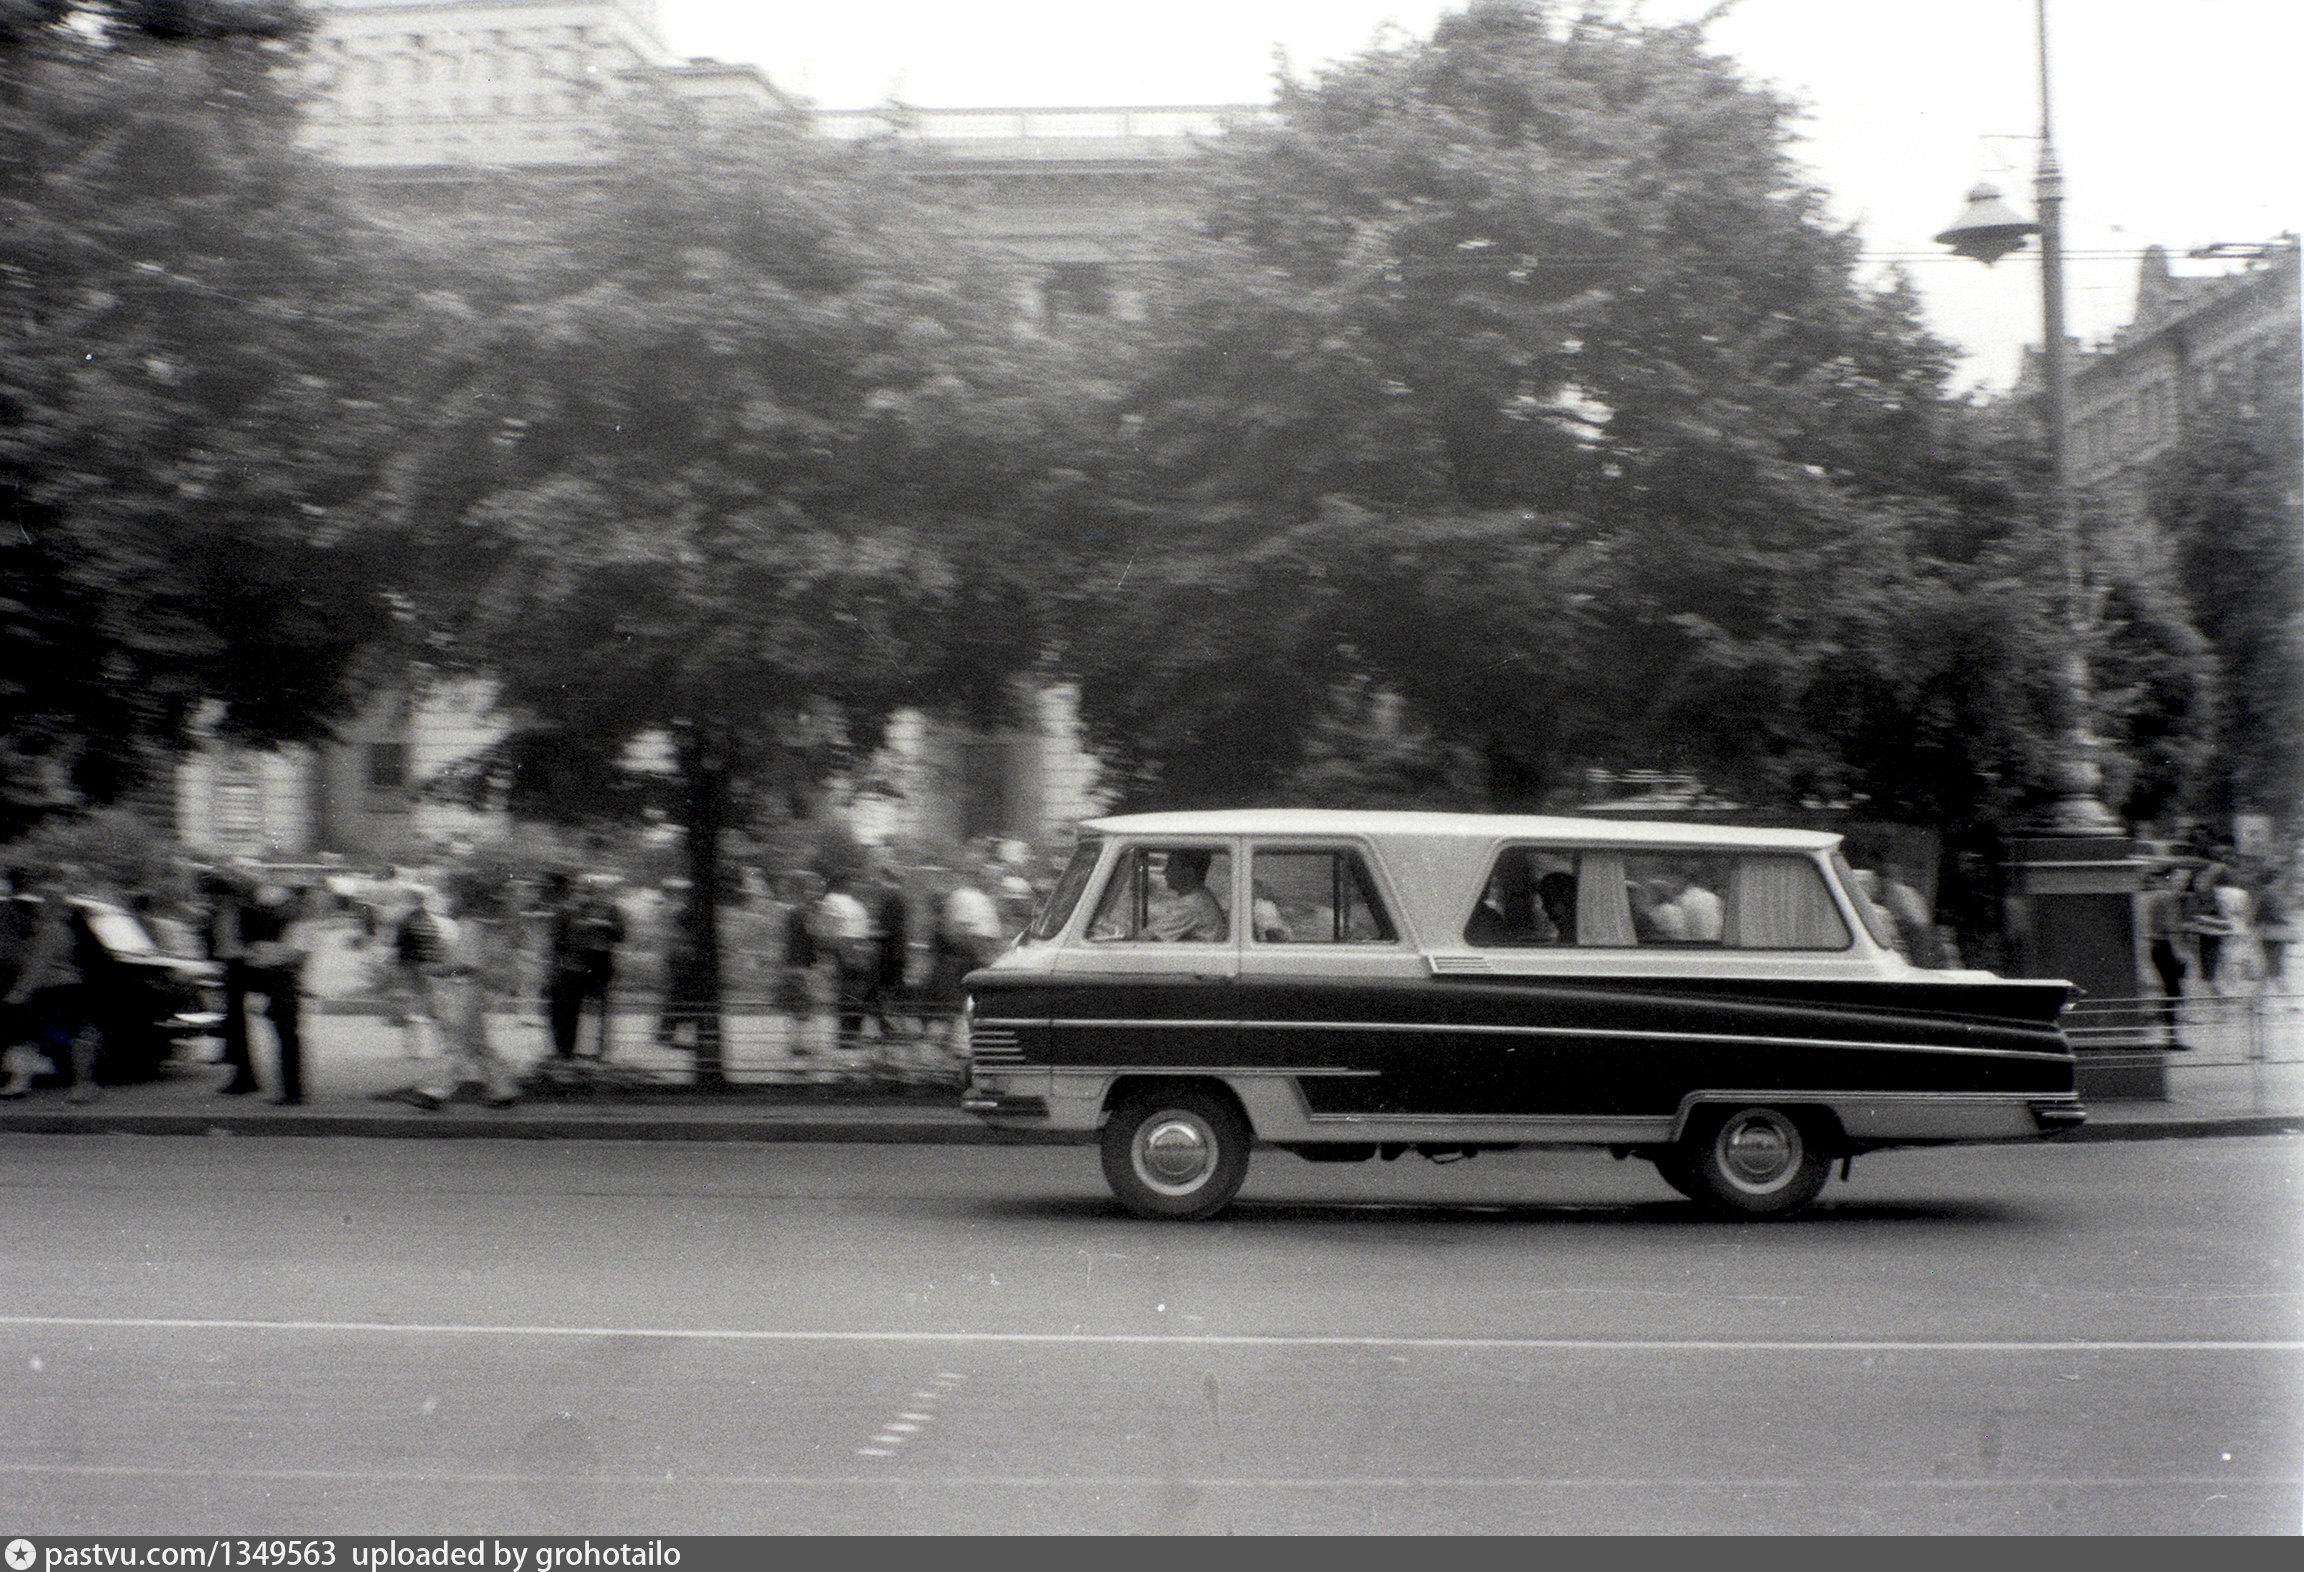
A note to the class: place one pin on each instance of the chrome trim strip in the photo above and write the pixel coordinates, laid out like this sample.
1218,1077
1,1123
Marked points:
1621,1033
1752,1095
1640,1123
1191,1022
1269,1071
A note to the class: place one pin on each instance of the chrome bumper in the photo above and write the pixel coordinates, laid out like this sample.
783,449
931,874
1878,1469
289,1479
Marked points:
1004,1104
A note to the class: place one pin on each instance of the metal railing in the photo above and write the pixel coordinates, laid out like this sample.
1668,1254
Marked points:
642,1042
2243,1050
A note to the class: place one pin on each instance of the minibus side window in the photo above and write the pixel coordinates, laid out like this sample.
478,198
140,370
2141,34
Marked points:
1166,895
1316,897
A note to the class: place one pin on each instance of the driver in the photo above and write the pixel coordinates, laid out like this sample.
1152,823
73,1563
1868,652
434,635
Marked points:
1188,913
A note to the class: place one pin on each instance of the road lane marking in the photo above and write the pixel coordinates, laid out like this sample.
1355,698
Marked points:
1173,1339
911,1421
1141,1481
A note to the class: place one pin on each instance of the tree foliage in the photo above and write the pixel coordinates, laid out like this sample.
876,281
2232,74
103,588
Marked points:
752,456
1518,375
2226,496
183,411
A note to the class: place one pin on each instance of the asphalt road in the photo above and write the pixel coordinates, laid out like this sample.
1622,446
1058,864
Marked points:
283,1336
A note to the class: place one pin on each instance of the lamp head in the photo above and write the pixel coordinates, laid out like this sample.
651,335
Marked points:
1987,228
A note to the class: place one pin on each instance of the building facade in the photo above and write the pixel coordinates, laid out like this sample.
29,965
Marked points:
2191,343
420,97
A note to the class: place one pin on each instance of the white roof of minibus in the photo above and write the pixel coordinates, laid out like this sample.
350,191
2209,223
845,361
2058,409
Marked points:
1378,824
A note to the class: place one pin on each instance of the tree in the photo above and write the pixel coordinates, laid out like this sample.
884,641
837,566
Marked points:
184,414
1518,375
1544,303
752,455
2226,496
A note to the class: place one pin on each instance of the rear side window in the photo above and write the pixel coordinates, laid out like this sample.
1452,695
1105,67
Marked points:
1537,896
1316,897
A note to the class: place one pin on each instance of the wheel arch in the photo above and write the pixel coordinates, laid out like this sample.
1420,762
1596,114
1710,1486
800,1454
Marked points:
1122,1088
1818,1118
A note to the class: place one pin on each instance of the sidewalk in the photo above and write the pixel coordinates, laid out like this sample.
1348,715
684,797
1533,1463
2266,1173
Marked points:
357,1081
2245,1077
356,1074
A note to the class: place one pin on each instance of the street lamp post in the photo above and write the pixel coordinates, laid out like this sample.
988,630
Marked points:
2073,905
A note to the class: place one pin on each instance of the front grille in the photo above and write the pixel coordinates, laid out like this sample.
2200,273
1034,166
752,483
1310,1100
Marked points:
994,1047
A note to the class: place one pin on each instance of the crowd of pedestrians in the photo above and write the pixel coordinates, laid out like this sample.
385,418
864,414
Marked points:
863,966
2214,928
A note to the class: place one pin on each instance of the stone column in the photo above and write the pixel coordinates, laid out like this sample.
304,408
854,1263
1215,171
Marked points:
2072,906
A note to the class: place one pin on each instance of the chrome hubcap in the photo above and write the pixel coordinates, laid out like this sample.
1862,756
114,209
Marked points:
1759,1150
1175,1152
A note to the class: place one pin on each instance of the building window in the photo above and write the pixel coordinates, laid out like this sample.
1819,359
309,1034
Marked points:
387,766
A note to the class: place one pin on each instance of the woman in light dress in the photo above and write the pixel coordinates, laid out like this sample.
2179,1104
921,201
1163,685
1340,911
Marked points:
481,969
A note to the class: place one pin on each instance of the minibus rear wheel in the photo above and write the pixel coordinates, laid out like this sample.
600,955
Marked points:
1754,1162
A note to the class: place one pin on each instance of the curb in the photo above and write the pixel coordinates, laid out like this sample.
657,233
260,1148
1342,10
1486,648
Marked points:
2174,1129
459,1124
901,1128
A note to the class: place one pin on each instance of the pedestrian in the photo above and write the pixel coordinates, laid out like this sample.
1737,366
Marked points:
477,973
796,979
891,950
2164,941
2237,907
968,935
843,930
226,893
49,999
420,958
2274,929
580,961
19,916
2206,920
275,933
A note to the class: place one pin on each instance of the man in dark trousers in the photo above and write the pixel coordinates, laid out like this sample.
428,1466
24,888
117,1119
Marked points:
227,897
892,953
586,928
274,945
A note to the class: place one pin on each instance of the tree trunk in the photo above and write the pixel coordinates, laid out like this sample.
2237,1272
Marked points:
692,988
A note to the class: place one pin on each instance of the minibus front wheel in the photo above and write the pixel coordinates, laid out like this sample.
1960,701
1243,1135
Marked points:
1177,1152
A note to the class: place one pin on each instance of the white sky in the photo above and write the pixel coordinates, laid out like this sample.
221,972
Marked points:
2175,119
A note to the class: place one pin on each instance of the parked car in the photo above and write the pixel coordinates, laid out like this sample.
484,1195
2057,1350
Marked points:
1721,1002
148,1003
